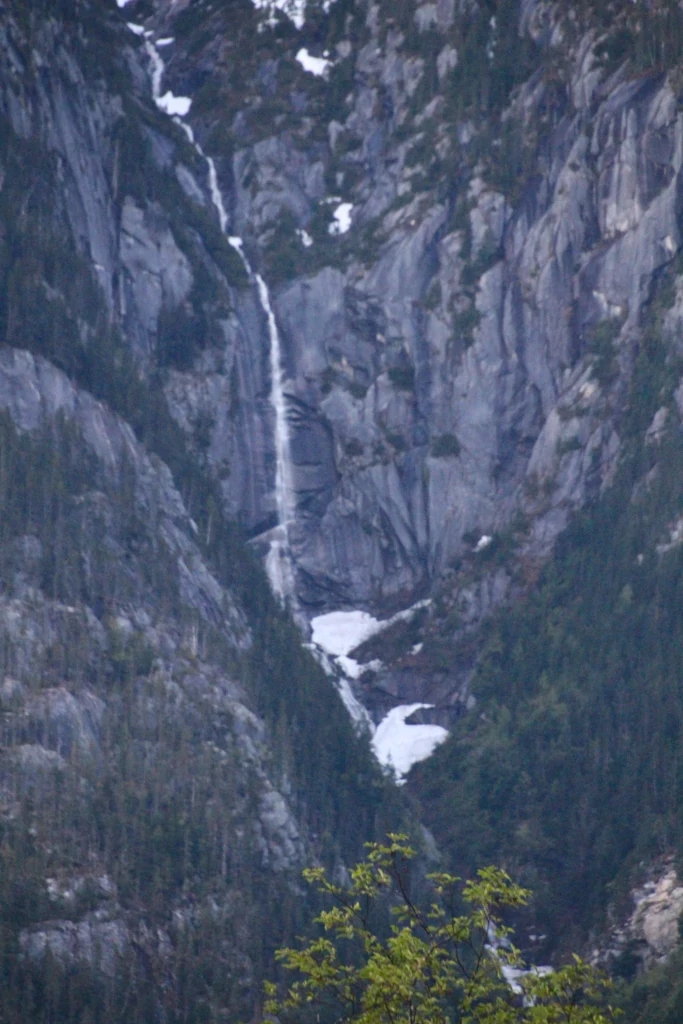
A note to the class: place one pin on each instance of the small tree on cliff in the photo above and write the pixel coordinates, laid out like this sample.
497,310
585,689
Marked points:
436,965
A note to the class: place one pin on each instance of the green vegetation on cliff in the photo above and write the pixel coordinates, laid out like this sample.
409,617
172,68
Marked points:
569,768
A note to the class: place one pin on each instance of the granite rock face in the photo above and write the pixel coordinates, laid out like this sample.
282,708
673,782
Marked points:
456,346
650,933
442,381
480,329
440,354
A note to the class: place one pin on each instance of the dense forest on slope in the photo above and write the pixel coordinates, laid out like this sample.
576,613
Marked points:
130,778
568,770
171,755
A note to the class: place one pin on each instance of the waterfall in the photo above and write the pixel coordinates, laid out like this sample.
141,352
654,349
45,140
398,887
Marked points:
157,70
278,560
398,744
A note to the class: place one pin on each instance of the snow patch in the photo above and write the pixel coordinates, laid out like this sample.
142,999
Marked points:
122,3
342,219
295,10
138,30
350,668
171,104
314,65
395,743
483,542
166,42
400,746
339,632
304,238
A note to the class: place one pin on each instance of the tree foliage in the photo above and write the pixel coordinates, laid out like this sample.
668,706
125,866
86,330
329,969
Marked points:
446,960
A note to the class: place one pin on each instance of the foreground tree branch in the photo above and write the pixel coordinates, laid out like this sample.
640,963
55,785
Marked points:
436,966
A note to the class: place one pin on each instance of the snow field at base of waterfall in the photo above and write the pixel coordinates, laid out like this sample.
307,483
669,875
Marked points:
396,744
399,746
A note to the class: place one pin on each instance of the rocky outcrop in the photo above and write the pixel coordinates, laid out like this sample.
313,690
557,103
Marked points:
651,933
655,922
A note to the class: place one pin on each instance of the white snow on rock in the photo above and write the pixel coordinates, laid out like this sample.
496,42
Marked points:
122,3
339,632
138,30
165,42
171,104
315,65
294,9
399,745
483,542
395,743
304,238
342,219
352,669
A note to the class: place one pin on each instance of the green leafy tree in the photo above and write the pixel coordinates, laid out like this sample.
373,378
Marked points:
444,963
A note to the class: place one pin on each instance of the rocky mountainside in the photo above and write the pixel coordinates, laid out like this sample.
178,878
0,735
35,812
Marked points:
461,214
387,297
170,755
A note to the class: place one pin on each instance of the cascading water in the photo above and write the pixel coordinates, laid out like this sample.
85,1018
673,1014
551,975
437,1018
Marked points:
403,742
278,560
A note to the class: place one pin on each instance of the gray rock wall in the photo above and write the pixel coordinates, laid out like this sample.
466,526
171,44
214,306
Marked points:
480,331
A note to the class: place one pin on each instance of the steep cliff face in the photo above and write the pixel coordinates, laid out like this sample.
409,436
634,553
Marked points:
458,281
441,354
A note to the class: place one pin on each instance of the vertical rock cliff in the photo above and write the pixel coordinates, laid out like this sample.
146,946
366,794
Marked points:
440,354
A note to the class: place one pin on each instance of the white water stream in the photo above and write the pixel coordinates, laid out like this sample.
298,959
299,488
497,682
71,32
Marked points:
278,560
337,633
